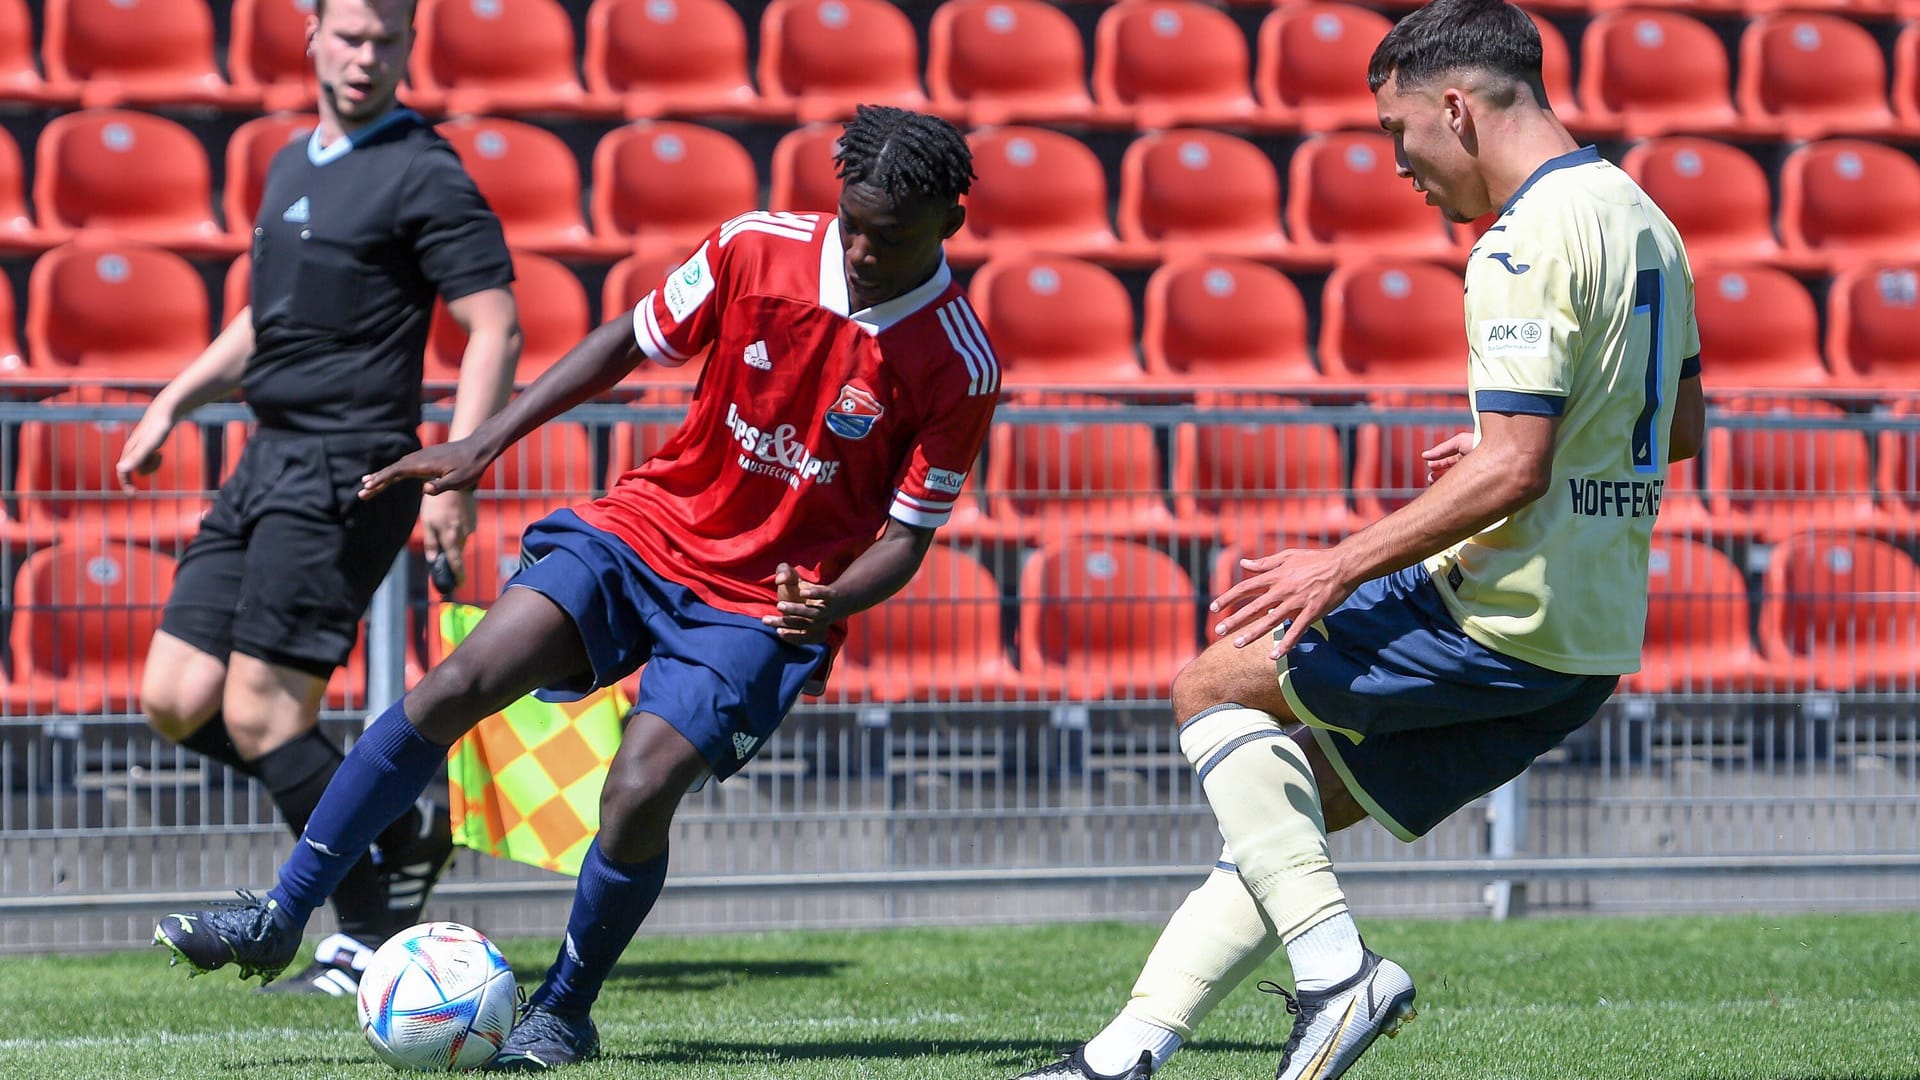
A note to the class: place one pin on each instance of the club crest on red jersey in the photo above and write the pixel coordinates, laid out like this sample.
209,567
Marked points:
854,412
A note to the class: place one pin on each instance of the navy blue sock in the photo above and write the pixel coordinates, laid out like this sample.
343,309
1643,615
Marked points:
379,780
611,901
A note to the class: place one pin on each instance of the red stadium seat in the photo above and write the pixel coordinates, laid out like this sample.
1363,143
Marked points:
938,639
1393,325
805,51
1228,323
1760,328
12,358
1715,194
1094,478
1262,478
18,233
1699,627
131,174
250,151
267,52
682,58
1194,191
84,614
1388,471
632,443
1845,609
1813,75
1169,63
1657,73
236,291
1056,321
805,178
549,469
1556,75
20,79
1312,72
1844,200
532,181
1346,201
68,491
665,184
630,280
136,52
1898,474
1009,61
1773,481
1104,620
1683,510
1852,8
1906,75
1037,191
113,312
1873,325
498,56
553,318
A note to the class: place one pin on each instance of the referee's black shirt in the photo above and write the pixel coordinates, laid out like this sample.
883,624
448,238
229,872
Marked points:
352,242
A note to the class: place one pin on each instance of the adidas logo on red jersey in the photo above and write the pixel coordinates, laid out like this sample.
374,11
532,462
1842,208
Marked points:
756,356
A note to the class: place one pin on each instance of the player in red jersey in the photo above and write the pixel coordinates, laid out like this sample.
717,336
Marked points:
847,393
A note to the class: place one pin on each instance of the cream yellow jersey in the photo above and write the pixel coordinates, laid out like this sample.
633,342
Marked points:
1579,304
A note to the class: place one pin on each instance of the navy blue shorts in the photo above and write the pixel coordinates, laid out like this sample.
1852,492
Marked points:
723,680
1418,718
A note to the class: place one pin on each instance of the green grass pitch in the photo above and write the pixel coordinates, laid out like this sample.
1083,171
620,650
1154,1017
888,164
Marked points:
1803,997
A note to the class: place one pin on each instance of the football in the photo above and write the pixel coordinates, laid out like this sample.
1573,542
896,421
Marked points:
437,997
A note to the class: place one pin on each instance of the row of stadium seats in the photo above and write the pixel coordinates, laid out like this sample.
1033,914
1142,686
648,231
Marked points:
657,187
1155,63
1097,620
131,313
1101,473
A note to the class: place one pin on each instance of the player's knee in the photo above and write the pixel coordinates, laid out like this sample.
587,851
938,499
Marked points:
168,708
1197,687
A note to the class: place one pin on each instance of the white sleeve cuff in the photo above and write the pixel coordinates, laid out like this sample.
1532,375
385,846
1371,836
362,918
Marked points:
918,512
647,335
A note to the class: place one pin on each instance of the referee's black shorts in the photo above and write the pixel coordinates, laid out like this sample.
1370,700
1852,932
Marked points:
289,556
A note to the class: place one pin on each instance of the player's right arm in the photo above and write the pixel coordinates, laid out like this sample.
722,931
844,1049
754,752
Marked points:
214,374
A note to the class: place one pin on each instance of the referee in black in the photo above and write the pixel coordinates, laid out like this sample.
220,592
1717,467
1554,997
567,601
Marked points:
360,226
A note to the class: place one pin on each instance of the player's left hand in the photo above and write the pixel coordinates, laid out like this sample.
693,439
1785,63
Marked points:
1298,584
806,608
446,520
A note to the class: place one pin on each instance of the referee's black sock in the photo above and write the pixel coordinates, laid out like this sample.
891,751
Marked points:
211,740
297,774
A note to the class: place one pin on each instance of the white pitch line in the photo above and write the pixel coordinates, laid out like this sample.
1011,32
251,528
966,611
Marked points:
163,1038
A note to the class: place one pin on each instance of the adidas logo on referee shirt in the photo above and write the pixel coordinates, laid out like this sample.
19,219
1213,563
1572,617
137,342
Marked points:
298,213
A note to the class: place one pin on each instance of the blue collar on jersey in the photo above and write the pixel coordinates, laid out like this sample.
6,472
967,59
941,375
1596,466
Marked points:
1586,155
322,155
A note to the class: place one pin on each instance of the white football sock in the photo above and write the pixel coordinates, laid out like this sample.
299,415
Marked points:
1117,1048
1328,952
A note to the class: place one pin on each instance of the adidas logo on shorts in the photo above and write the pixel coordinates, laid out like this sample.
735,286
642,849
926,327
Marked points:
743,745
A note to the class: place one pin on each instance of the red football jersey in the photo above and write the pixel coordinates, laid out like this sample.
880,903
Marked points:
811,424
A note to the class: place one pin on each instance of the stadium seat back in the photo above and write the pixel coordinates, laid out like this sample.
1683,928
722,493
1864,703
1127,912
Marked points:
1195,186
804,175
552,306
1116,606
1696,595
1899,470
1005,50
1658,61
1035,185
1786,465
1078,473
14,219
123,170
1851,195
19,76
1262,476
66,466
1761,328
1393,323
89,609
151,41
250,151
1241,323
527,174
806,48
1808,67
1160,52
680,46
1874,325
945,621
523,45
1715,194
1313,57
1344,191
1388,471
1051,315
671,182
115,311
267,49
1845,597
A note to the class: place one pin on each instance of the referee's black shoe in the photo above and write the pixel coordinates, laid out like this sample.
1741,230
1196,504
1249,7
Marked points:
413,871
245,932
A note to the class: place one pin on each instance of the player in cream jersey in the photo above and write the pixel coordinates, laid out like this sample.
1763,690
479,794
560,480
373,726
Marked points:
1557,325
1433,655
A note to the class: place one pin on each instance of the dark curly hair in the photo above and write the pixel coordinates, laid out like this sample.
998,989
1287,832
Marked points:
905,154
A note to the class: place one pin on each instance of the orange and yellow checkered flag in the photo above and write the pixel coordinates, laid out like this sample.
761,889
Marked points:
526,781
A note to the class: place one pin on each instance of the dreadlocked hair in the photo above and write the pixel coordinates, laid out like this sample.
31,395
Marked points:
904,154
